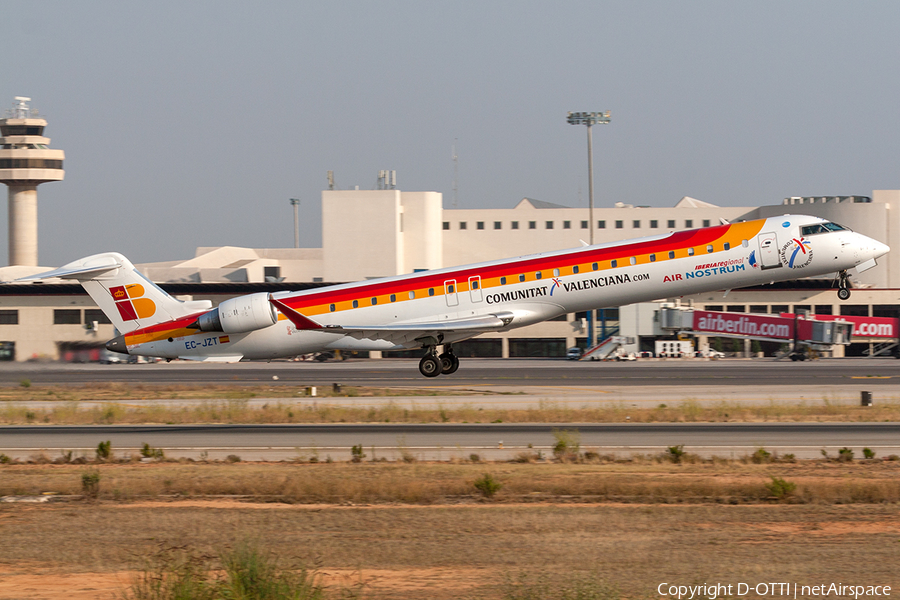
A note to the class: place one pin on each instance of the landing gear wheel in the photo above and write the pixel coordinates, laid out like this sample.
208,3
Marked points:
449,363
430,366
843,281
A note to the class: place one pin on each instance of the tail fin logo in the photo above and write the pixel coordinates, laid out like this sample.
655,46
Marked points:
130,302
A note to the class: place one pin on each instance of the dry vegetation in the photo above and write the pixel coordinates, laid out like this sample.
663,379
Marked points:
395,530
231,405
640,480
468,551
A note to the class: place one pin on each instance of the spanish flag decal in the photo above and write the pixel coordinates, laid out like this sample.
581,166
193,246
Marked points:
223,339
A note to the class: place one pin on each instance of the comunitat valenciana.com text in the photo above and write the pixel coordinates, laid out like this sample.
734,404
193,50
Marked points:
712,591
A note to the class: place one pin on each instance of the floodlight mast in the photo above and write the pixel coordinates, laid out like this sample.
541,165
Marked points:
295,202
589,119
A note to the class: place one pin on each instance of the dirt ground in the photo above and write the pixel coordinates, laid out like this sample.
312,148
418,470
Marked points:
82,550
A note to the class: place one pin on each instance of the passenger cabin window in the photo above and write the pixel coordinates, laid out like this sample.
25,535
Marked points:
745,243
331,307
614,264
450,289
522,277
652,258
503,281
412,295
374,301
690,251
431,291
474,284
632,260
575,270
556,272
727,246
595,266
709,249
393,297
671,254
538,275
356,304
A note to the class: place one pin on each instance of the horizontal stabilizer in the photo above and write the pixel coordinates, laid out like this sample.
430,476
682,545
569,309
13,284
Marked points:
80,272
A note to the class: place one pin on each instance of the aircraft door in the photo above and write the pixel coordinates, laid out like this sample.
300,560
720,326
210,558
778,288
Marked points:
768,251
475,292
450,292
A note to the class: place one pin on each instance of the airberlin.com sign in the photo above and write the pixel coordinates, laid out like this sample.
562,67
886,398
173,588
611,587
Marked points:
761,326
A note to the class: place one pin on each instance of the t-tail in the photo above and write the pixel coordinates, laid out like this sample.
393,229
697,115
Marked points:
130,300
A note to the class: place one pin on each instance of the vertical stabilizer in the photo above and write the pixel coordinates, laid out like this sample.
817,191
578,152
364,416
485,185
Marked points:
130,300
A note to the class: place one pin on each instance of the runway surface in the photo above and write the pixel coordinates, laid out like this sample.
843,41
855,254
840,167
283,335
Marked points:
475,372
442,441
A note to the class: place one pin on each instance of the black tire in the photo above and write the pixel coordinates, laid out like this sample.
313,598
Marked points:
844,293
430,366
449,363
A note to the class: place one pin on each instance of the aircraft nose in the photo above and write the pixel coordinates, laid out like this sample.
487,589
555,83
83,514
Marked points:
880,249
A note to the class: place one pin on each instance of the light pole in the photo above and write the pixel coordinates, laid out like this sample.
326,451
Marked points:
590,119
296,204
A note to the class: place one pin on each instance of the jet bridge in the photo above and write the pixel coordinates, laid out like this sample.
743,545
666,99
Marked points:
804,330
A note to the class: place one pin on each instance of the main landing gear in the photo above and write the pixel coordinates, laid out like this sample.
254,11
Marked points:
843,281
433,365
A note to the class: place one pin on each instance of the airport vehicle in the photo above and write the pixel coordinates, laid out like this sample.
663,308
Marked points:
437,308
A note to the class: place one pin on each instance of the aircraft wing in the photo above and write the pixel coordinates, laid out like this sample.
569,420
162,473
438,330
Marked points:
401,332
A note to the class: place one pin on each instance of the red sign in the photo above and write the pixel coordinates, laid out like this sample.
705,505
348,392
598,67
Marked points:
866,327
744,324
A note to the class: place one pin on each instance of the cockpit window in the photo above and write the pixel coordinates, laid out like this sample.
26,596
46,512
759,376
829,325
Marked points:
821,228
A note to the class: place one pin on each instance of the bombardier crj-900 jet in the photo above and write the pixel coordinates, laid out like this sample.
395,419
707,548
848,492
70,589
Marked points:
435,309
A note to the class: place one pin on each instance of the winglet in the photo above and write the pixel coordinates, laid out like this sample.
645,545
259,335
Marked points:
299,321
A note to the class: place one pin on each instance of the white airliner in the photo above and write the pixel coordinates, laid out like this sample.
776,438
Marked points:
437,308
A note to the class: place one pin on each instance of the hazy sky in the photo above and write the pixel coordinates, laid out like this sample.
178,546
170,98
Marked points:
191,124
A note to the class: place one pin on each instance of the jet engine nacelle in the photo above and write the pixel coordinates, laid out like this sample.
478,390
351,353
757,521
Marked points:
237,315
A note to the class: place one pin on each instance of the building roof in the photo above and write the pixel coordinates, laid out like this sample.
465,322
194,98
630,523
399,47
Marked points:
688,202
532,203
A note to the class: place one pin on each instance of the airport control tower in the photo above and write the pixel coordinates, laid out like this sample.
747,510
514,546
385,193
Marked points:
25,162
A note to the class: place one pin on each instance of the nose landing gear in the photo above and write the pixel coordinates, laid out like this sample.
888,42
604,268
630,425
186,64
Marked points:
843,281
